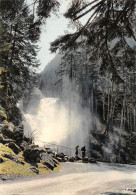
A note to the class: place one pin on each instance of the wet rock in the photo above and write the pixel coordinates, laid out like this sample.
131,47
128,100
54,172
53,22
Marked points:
14,147
1,160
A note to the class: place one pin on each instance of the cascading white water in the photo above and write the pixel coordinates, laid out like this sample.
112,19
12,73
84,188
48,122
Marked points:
53,122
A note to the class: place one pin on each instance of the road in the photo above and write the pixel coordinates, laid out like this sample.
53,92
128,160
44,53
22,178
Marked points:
77,179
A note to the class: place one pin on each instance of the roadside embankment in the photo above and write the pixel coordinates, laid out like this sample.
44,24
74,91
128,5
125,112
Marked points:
20,157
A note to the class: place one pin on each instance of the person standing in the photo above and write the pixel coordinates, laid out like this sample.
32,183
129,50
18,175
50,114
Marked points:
83,149
76,153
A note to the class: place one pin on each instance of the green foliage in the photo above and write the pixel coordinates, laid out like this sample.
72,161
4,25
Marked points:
20,30
108,20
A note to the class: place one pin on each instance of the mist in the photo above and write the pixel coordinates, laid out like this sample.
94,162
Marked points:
54,121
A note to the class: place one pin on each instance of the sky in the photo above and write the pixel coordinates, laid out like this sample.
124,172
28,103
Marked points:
54,27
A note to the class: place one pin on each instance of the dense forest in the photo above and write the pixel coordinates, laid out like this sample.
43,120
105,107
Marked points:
99,62
98,59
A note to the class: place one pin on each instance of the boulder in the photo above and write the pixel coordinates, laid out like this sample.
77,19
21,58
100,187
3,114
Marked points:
27,139
55,165
60,155
34,164
32,154
14,147
6,141
49,151
34,169
59,159
7,130
18,134
55,161
12,157
71,159
34,146
78,158
43,151
1,160
64,160
49,165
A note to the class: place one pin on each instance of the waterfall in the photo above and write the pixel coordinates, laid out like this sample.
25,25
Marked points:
52,121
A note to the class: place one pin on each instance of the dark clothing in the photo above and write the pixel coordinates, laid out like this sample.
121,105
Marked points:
76,153
83,149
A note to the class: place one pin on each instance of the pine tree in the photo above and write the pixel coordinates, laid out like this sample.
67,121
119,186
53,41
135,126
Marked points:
21,28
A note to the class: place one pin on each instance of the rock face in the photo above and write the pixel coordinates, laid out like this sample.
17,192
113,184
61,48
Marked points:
15,134
7,130
18,134
3,116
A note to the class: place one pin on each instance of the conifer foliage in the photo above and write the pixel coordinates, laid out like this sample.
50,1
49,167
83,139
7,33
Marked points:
20,30
101,57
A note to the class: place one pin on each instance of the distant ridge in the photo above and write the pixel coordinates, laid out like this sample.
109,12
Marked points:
48,78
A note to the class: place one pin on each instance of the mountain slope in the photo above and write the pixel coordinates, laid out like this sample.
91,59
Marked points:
48,78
